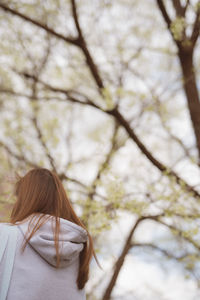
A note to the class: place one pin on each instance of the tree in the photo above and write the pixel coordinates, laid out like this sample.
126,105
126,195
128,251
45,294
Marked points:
127,80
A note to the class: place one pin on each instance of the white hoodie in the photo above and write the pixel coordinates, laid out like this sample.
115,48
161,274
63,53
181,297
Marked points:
34,275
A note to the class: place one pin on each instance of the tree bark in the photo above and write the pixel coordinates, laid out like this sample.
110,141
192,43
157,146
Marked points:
191,92
120,260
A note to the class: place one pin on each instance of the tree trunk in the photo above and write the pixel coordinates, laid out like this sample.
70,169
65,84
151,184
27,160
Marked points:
190,87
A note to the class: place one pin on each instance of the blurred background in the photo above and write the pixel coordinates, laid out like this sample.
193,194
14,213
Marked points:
107,94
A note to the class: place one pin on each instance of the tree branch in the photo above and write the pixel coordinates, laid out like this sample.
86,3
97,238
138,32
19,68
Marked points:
102,167
120,260
78,41
167,19
149,155
196,27
17,156
21,158
186,6
83,45
164,13
130,131
180,234
72,95
185,55
163,251
180,10
14,12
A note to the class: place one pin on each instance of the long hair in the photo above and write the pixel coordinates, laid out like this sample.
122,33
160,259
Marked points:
40,191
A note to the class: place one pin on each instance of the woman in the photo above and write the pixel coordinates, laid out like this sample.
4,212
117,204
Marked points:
53,262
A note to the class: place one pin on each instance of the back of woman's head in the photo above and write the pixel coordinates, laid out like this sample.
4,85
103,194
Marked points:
41,191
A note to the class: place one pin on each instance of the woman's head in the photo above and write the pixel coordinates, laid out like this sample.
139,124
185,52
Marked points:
41,191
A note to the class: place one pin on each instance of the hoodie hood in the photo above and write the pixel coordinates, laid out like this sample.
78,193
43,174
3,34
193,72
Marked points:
71,239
